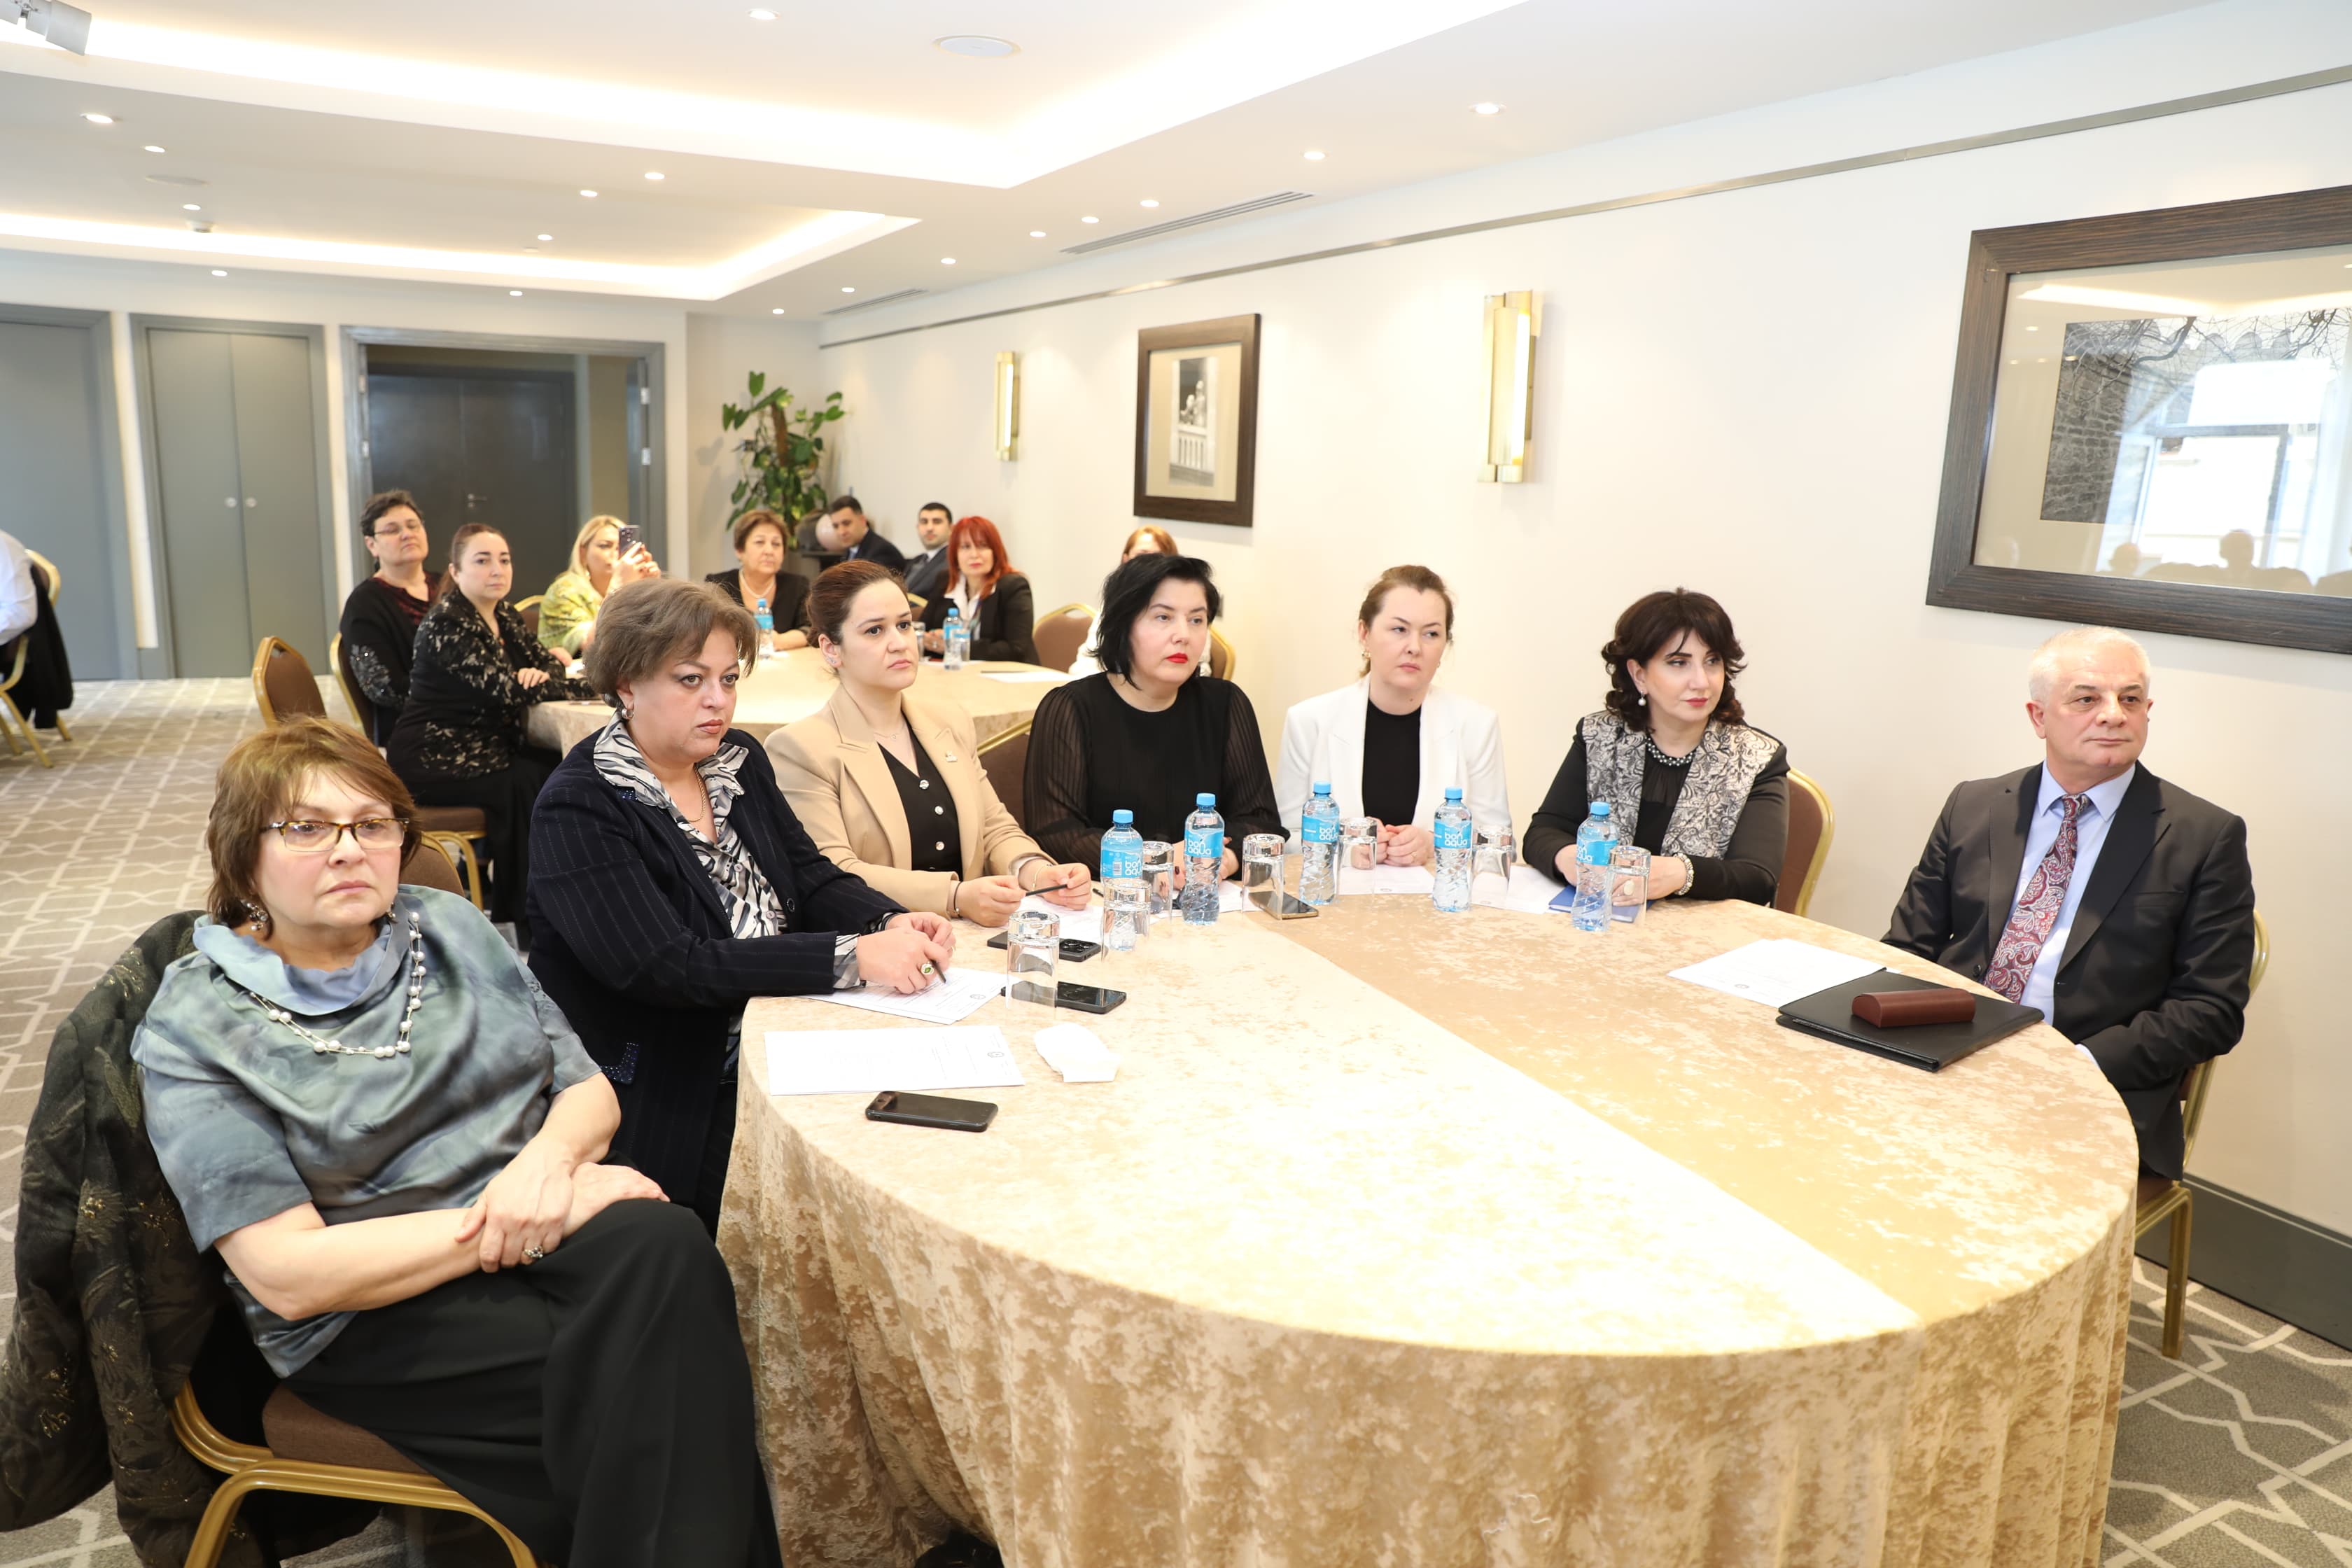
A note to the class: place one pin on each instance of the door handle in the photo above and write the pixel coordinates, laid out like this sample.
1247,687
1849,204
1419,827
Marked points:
228,501
249,500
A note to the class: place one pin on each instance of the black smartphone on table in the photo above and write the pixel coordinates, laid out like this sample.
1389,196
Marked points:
1075,949
931,1111
1080,998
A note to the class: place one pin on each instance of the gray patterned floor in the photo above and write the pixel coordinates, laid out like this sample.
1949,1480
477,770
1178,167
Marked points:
2238,1456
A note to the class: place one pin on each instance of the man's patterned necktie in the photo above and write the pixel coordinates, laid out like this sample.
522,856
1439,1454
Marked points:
2037,909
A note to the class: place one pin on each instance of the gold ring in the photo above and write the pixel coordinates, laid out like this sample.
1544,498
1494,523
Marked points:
532,1255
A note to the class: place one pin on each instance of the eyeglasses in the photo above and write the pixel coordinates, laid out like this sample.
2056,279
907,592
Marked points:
318,838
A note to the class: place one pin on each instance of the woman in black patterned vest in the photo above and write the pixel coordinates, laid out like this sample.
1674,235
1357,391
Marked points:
1671,752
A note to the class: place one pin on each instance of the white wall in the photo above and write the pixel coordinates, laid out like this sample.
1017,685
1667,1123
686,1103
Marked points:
1745,394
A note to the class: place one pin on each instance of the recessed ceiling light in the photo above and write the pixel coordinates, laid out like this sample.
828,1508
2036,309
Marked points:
1091,220
847,289
153,148
656,174
1036,234
220,271
514,293
1150,203
976,46
763,16
100,119
776,310
1485,108
190,207
1313,155
585,193
947,262
545,237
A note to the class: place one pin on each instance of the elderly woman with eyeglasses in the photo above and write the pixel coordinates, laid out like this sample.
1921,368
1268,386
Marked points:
363,1101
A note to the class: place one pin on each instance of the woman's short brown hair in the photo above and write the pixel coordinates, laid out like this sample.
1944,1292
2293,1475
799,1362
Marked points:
650,624
755,518
838,586
1419,578
1161,540
262,777
1653,623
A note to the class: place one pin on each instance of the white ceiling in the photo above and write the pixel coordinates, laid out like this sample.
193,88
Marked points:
836,147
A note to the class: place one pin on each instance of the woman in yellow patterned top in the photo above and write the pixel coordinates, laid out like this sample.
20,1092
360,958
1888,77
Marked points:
567,615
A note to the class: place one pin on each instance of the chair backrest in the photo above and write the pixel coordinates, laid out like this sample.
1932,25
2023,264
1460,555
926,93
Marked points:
428,865
529,610
283,684
1812,822
1006,759
48,569
362,711
2197,1083
1222,658
918,603
1061,634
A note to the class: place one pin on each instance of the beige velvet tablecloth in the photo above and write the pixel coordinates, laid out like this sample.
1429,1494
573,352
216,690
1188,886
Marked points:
790,687
1405,1239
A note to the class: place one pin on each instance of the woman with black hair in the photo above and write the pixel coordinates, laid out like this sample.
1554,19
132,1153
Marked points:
1671,752
1153,729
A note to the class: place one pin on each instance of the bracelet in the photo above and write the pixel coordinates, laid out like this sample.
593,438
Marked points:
1688,876
955,900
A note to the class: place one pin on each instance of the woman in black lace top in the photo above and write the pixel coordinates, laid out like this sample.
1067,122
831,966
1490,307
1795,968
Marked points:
477,671
1150,732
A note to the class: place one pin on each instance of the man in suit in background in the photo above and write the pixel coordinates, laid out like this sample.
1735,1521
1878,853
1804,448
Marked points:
2121,906
857,539
926,573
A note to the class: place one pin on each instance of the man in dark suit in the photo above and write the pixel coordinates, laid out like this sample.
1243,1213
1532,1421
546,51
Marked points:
927,574
2121,906
857,539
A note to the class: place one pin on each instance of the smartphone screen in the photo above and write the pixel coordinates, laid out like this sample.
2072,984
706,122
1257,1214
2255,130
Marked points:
1086,998
931,1111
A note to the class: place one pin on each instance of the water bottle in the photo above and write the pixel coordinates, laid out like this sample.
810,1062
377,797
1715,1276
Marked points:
1205,861
1594,840
1318,834
1122,850
1452,836
767,629
953,640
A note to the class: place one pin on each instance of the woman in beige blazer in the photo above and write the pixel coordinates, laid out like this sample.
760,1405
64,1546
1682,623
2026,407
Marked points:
890,786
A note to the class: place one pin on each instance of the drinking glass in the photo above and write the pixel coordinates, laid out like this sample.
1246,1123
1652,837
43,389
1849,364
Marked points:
1262,867
1491,863
1126,915
1159,877
1359,843
1029,957
1629,884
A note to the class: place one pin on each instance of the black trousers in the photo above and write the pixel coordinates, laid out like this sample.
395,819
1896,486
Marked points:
597,1403
506,799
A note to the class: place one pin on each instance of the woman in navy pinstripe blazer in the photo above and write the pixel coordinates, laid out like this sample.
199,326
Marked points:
670,884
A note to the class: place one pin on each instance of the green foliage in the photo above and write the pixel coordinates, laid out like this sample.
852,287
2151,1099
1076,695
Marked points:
780,450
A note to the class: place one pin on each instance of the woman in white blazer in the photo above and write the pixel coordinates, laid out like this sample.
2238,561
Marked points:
1389,745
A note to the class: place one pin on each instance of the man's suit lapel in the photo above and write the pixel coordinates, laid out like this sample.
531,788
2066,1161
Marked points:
2131,839
2013,817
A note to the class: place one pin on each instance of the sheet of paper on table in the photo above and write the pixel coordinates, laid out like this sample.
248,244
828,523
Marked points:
1776,971
1084,925
954,997
868,1061
1530,892
1076,1053
1024,676
1388,879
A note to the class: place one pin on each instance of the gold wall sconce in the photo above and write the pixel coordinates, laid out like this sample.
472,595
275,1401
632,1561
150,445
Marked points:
1511,329
1008,405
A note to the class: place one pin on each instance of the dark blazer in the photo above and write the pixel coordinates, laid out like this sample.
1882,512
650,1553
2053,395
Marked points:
876,548
1003,624
2158,962
629,937
927,575
789,604
380,647
48,685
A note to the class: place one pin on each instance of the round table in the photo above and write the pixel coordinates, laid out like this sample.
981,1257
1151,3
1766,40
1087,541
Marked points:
790,687
1470,1239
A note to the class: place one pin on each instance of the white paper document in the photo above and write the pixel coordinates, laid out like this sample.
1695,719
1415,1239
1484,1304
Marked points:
1024,676
1084,925
1230,900
1530,892
1076,1053
1775,973
954,997
1388,879
868,1061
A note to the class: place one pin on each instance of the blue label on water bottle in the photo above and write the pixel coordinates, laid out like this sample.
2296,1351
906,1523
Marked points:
1315,829
1454,835
1204,844
1118,863
1595,851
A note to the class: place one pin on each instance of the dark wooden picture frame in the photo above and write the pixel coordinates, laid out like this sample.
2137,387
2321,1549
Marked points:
2302,220
1241,329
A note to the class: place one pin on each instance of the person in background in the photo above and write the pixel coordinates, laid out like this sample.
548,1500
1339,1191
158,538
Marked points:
890,786
394,1139
992,598
856,539
1149,538
671,884
461,739
1152,730
1671,752
567,613
926,573
2119,905
380,618
20,596
760,547
1389,745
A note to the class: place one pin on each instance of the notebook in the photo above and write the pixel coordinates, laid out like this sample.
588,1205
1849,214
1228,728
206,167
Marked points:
1929,1047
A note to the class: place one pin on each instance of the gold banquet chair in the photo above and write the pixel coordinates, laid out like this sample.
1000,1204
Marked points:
529,610
1061,634
13,718
2161,1198
1222,658
1005,758
1812,822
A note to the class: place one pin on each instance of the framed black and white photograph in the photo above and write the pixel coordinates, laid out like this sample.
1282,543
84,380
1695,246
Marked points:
1196,421
2152,423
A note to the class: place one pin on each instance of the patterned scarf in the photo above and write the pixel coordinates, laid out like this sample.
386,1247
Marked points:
752,906
1722,771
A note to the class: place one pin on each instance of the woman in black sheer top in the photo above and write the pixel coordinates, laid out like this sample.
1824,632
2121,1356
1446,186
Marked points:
1152,730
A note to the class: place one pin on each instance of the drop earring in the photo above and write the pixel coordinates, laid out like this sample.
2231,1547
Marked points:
1642,701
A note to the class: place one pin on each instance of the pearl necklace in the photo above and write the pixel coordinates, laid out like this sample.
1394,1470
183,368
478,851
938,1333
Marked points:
1667,759
321,1046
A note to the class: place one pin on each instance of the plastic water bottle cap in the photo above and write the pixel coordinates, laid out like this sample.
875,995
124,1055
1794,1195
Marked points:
1322,789
1452,796
763,605
1600,808
1121,818
1206,801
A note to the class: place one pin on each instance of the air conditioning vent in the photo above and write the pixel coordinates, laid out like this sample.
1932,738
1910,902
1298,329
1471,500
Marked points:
877,299
1280,198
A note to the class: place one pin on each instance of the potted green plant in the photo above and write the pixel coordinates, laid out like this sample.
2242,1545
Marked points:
780,451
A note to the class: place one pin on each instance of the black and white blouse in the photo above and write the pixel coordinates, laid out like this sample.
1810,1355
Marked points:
466,711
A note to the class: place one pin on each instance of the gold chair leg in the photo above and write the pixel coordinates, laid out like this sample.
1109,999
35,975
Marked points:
23,723
8,734
212,1530
2176,1276
63,733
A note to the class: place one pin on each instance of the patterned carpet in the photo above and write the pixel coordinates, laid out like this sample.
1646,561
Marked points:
2239,1456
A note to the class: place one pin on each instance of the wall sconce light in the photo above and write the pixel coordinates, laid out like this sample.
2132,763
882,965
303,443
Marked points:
1511,329
1008,405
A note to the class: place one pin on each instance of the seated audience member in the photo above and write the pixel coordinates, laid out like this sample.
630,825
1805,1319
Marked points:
20,596
391,1135
1672,753
760,546
567,613
890,786
2121,906
1389,745
671,884
1149,538
380,618
851,534
461,739
926,573
992,598
1147,733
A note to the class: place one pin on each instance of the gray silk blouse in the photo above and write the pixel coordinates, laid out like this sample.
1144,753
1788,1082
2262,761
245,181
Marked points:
248,1120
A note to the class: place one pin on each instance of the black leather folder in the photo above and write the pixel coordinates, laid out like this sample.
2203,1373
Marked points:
1928,1047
